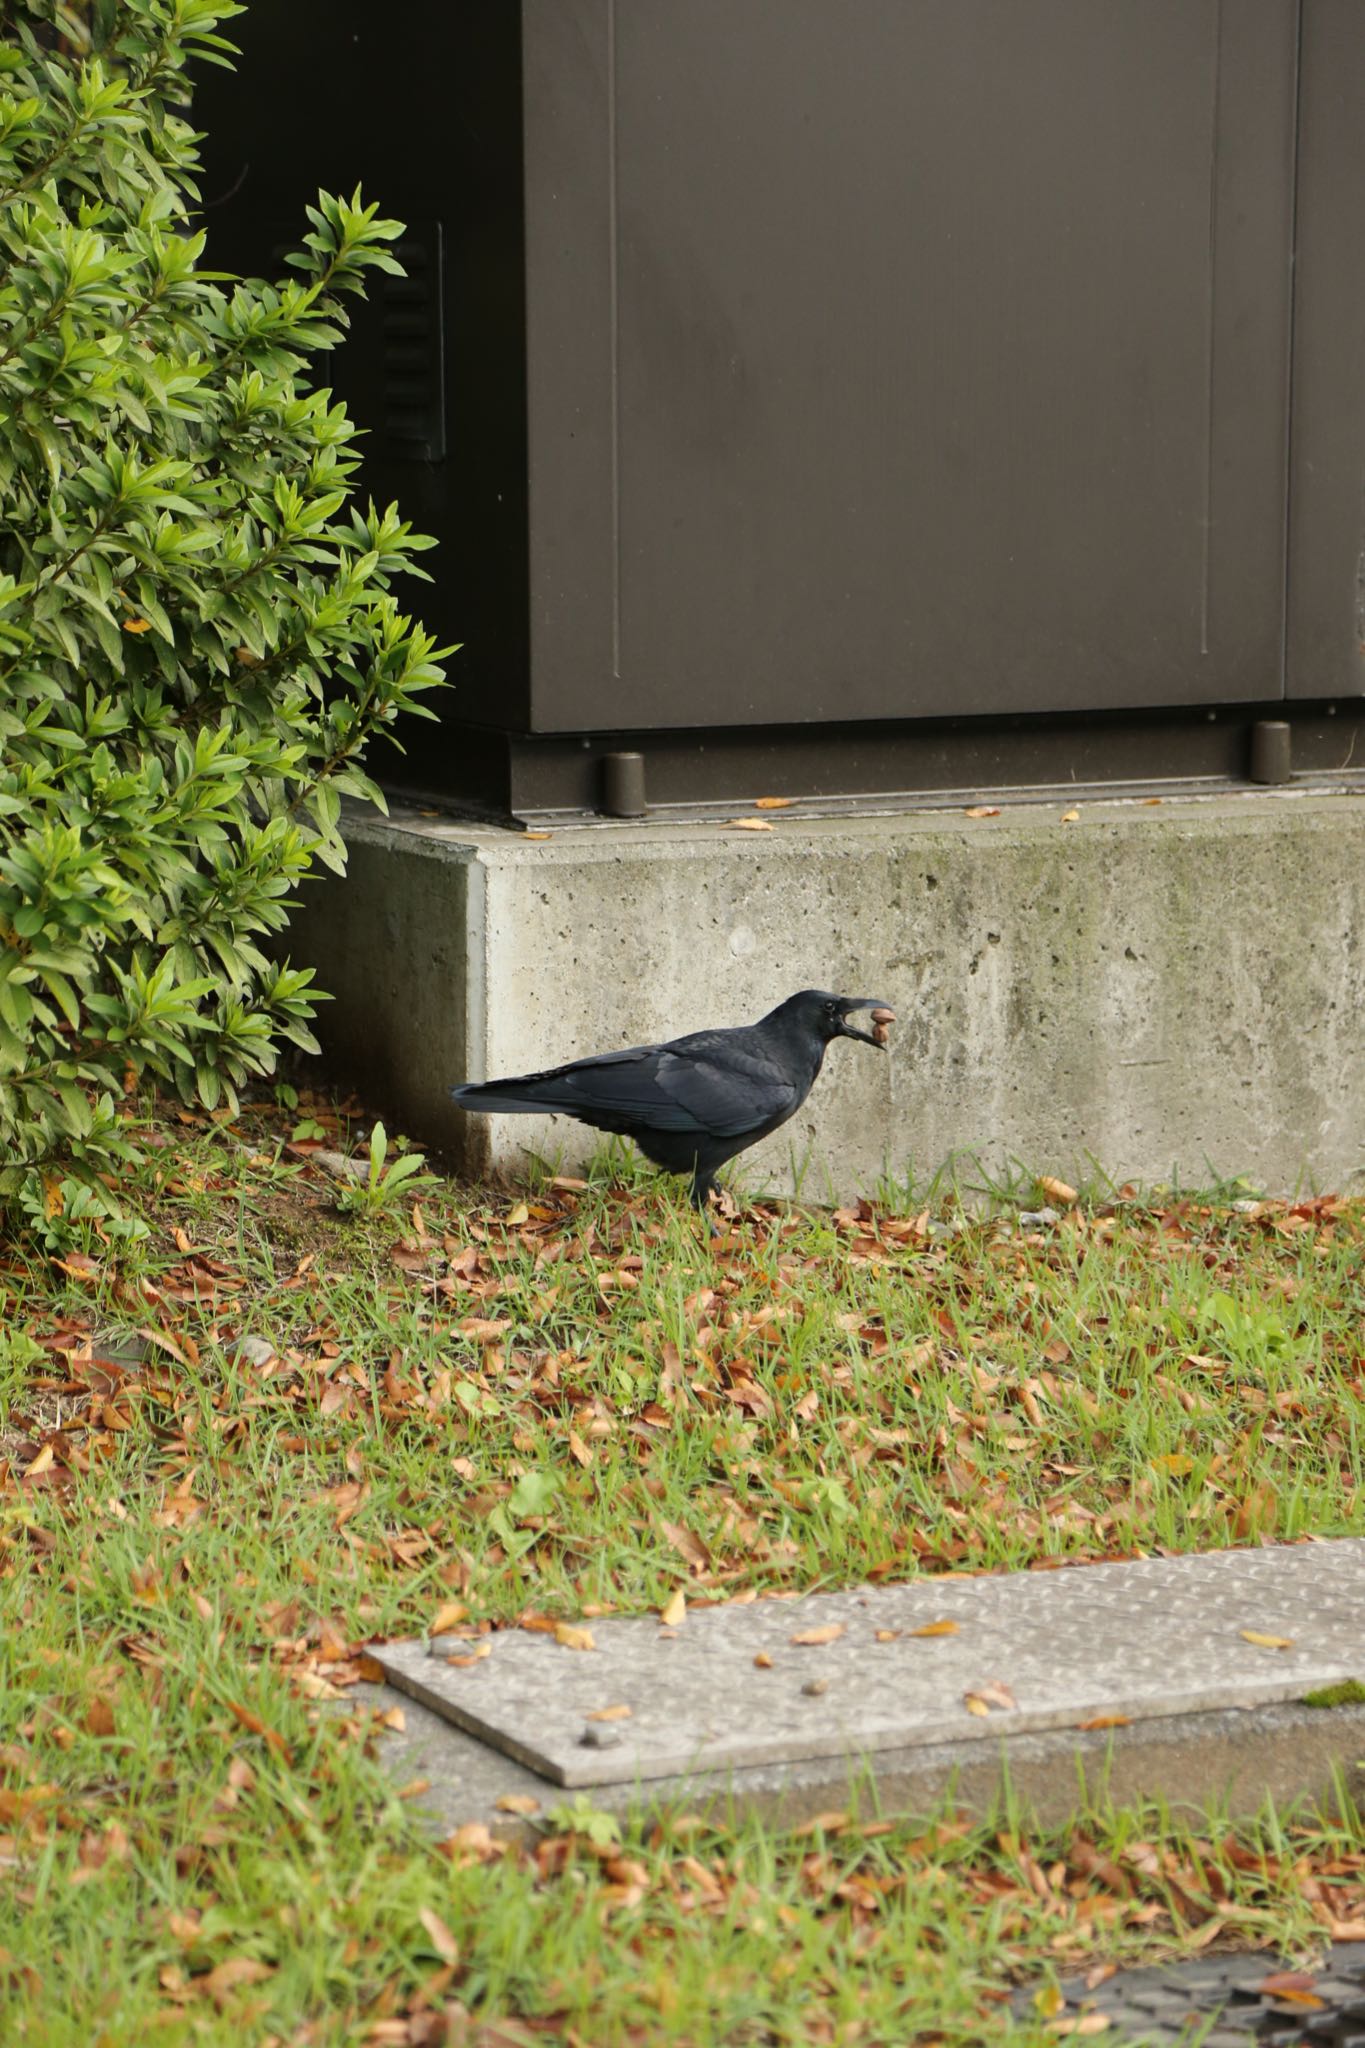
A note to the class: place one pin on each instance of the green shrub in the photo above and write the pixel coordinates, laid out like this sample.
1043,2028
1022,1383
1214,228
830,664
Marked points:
197,635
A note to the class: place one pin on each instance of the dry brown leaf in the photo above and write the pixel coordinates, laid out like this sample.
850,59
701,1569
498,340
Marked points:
674,1608
1084,2024
442,1940
763,1661
1056,1190
811,1638
750,824
517,1802
982,811
42,1463
231,1975
1070,817
1105,1721
1264,1642
448,1615
617,1713
936,1628
474,1656
995,1693
889,1635
772,803
572,1638
516,1217
395,1718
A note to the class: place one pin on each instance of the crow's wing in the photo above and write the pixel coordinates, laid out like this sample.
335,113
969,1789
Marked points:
696,1087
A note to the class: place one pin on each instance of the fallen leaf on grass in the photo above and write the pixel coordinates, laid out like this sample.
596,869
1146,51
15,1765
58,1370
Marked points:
1056,1190
442,1940
448,1615
1264,1642
811,1638
572,1638
1070,817
42,1463
230,1976
674,1609
257,1727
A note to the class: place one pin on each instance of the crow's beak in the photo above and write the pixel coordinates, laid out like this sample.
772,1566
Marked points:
882,1016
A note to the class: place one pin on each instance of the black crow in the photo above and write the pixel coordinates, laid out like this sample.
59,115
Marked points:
694,1103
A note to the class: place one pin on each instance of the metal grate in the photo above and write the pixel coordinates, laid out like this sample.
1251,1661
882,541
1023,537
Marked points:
1253,2000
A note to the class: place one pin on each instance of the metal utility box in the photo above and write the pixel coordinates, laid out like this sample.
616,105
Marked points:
808,387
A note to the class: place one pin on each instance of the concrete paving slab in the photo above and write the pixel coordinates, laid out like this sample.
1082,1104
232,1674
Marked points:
1240,1757
1026,1653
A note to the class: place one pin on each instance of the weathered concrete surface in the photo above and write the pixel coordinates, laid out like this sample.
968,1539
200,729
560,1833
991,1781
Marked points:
1162,989
1239,1759
852,1674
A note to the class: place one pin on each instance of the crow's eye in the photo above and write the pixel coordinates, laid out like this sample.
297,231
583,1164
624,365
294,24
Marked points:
831,1009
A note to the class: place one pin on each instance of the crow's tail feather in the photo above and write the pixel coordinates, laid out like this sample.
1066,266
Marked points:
507,1098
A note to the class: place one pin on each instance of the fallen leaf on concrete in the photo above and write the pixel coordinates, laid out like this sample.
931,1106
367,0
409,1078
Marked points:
890,1635
995,1693
750,824
1105,1721
517,1802
1084,2024
475,1656
1264,1642
674,1608
772,803
574,1638
608,1714
982,811
763,1661
936,1628
810,1638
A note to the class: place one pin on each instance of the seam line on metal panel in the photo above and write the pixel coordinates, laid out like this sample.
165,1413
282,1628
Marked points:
1295,145
615,344
1207,565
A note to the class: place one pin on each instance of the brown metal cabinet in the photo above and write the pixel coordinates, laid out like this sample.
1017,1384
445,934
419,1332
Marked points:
809,364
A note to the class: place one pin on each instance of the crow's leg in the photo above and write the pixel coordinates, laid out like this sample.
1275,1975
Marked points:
704,1185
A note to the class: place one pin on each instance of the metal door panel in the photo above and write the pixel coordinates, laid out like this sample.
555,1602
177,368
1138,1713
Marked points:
1327,438
905,357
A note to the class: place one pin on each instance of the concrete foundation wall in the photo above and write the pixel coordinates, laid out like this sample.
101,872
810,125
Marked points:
1161,989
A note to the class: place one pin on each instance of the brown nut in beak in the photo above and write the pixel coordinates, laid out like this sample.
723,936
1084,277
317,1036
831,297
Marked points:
882,1020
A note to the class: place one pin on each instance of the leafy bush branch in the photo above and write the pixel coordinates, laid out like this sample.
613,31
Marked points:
198,635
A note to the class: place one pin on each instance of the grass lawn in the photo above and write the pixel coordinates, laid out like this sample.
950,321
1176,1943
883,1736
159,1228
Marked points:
236,1451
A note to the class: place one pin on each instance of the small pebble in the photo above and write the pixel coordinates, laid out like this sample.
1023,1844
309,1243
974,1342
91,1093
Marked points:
813,1687
596,1736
